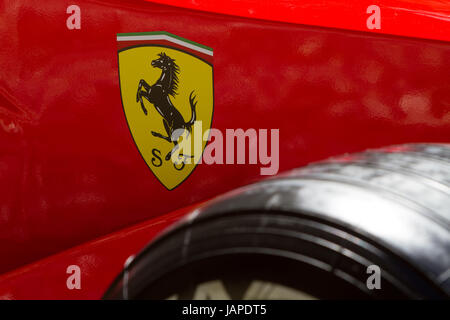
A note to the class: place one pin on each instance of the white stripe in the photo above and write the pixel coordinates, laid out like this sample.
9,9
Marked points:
168,38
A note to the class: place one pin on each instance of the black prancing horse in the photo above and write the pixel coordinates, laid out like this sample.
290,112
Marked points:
159,95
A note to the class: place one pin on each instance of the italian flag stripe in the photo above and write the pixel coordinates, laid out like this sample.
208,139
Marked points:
162,35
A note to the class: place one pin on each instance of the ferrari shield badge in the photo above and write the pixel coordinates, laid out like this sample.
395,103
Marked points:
166,84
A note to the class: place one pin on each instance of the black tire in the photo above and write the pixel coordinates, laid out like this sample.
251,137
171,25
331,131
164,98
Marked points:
312,232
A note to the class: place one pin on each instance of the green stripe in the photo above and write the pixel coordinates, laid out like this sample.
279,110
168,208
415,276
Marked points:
163,33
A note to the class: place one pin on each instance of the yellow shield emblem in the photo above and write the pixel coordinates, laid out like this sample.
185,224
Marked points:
166,84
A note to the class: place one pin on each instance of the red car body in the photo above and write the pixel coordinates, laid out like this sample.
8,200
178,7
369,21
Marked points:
73,187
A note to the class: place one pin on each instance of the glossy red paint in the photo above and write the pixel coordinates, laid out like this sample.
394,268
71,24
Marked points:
426,19
69,170
100,261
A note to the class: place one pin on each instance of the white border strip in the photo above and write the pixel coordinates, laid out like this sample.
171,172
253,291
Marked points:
167,38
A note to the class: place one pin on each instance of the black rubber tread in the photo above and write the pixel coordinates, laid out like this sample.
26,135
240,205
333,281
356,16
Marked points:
389,207
433,200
